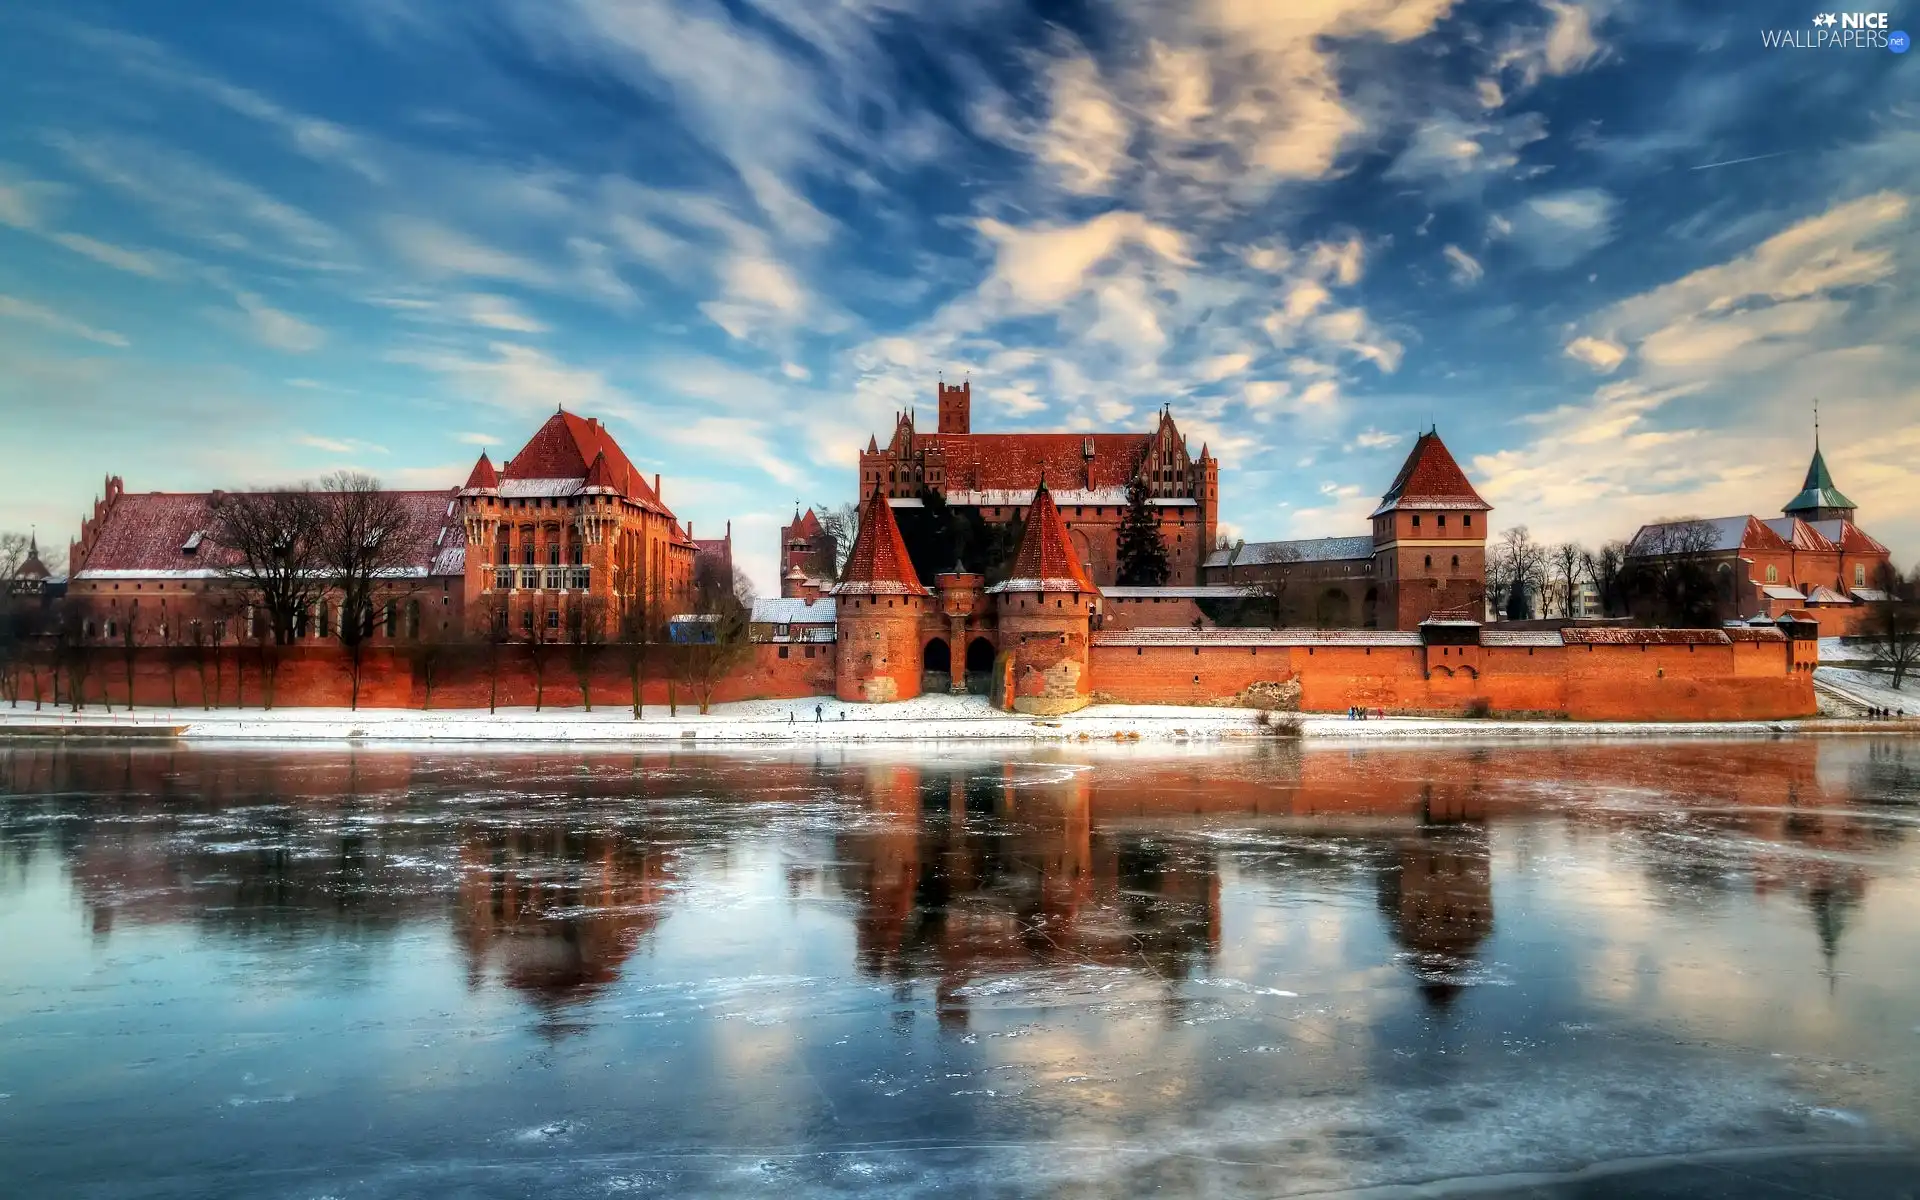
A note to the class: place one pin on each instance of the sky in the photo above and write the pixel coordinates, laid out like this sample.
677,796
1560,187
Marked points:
1612,249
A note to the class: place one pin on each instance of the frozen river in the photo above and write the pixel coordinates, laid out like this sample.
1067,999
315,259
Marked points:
1264,971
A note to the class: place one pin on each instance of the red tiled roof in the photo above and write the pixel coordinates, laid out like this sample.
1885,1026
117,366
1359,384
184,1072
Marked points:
1749,633
144,533
1431,479
600,475
1798,534
564,448
1046,561
805,526
1601,636
1018,461
484,476
879,565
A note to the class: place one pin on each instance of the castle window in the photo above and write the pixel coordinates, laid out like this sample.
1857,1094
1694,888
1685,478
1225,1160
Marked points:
1467,521
553,618
1416,520
1456,562
530,577
390,619
783,651
553,553
526,621
324,626
1859,575
1429,562
526,553
503,578
413,618
1773,574
578,578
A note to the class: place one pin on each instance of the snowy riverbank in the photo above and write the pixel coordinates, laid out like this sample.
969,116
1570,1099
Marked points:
926,718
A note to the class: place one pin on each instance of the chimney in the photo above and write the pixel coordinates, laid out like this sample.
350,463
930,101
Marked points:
689,530
657,495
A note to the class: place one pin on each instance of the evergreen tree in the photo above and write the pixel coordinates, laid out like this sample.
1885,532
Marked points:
1143,554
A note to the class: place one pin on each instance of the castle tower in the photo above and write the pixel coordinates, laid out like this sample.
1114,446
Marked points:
956,408
806,552
1429,541
1819,500
1046,608
880,601
1207,492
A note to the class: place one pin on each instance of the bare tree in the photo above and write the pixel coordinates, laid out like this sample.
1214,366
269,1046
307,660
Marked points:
271,544
365,542
1669,577
1603,567
494,613
129,637
1569,563
200,643
586,632
1516,572
720,641
431,651
174,653
73,654
1893,628
542,641
842,525
640,627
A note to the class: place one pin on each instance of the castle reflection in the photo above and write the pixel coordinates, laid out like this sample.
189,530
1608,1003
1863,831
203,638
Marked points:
551,870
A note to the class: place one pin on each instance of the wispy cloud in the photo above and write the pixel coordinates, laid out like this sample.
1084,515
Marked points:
15,309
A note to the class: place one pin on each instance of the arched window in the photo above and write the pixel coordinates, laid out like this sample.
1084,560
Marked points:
1456,562
390,619
1859,574
413,618
1429,562
1773,574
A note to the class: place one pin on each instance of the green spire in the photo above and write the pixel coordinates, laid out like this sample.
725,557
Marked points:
1818,491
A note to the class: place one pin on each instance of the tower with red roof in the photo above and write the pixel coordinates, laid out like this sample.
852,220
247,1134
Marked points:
880,603
1045,608
1429,539
567,521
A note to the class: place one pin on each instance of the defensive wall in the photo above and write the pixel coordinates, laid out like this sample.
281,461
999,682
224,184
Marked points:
1582,674
1606,674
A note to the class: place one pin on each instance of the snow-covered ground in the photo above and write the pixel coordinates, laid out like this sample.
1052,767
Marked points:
1873,688
925,718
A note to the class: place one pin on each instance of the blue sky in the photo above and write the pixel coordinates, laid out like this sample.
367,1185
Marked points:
245,243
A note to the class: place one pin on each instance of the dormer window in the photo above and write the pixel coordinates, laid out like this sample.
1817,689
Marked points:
1086,448
192,544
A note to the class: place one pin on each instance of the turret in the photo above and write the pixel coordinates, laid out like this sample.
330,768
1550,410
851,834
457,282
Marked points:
880,604
956,408
1429,541
1046,608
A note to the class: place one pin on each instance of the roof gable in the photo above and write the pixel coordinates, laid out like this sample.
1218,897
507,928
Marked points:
566,446
878,565
1430,478
1046,561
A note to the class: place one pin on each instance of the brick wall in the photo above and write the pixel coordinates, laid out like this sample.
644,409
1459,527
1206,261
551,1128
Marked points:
1743,681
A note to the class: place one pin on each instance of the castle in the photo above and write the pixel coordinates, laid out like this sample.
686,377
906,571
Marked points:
566,525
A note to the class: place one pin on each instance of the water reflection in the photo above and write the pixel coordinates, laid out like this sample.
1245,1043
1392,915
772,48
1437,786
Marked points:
1334,967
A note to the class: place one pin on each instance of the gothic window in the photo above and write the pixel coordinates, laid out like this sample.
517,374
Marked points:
553,553
389,619
526,552
1773,574
325,623
526,621
1456,562
413,618
573,554
1429,562
1859,575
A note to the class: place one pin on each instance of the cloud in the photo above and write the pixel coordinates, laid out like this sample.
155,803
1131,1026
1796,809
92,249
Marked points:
1041,265
1599,353
280,330
1374,439
1465,269
1087,134
1559,228
1458,156
521,380
741,438
338,445
442,252
498,312
14,308
479,439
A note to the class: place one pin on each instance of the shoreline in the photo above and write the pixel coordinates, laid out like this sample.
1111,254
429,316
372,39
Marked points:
924,720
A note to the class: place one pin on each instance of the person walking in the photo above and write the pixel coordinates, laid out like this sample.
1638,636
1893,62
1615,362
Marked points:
816,714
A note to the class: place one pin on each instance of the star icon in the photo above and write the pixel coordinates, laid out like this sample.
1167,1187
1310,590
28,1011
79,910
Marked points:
1825,19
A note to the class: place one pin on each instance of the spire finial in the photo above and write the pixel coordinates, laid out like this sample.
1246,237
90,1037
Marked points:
1816,424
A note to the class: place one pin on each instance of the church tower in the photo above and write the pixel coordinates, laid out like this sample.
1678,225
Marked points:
1819,500
879,604
1429,542
956,408
1045,609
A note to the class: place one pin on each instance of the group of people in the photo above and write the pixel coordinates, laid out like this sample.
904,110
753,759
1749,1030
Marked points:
1357,712
1883,714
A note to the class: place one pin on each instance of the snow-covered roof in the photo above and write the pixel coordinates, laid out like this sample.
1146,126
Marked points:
1182,636
1211,591
1521,637
1327,549
1775,591
792,610
1821,594
540,488
1865,595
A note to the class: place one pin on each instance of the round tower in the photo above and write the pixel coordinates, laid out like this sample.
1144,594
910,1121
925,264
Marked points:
878,609
1045,610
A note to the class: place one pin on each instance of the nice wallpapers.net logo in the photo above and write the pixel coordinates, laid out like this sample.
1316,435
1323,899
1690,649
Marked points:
1840,31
